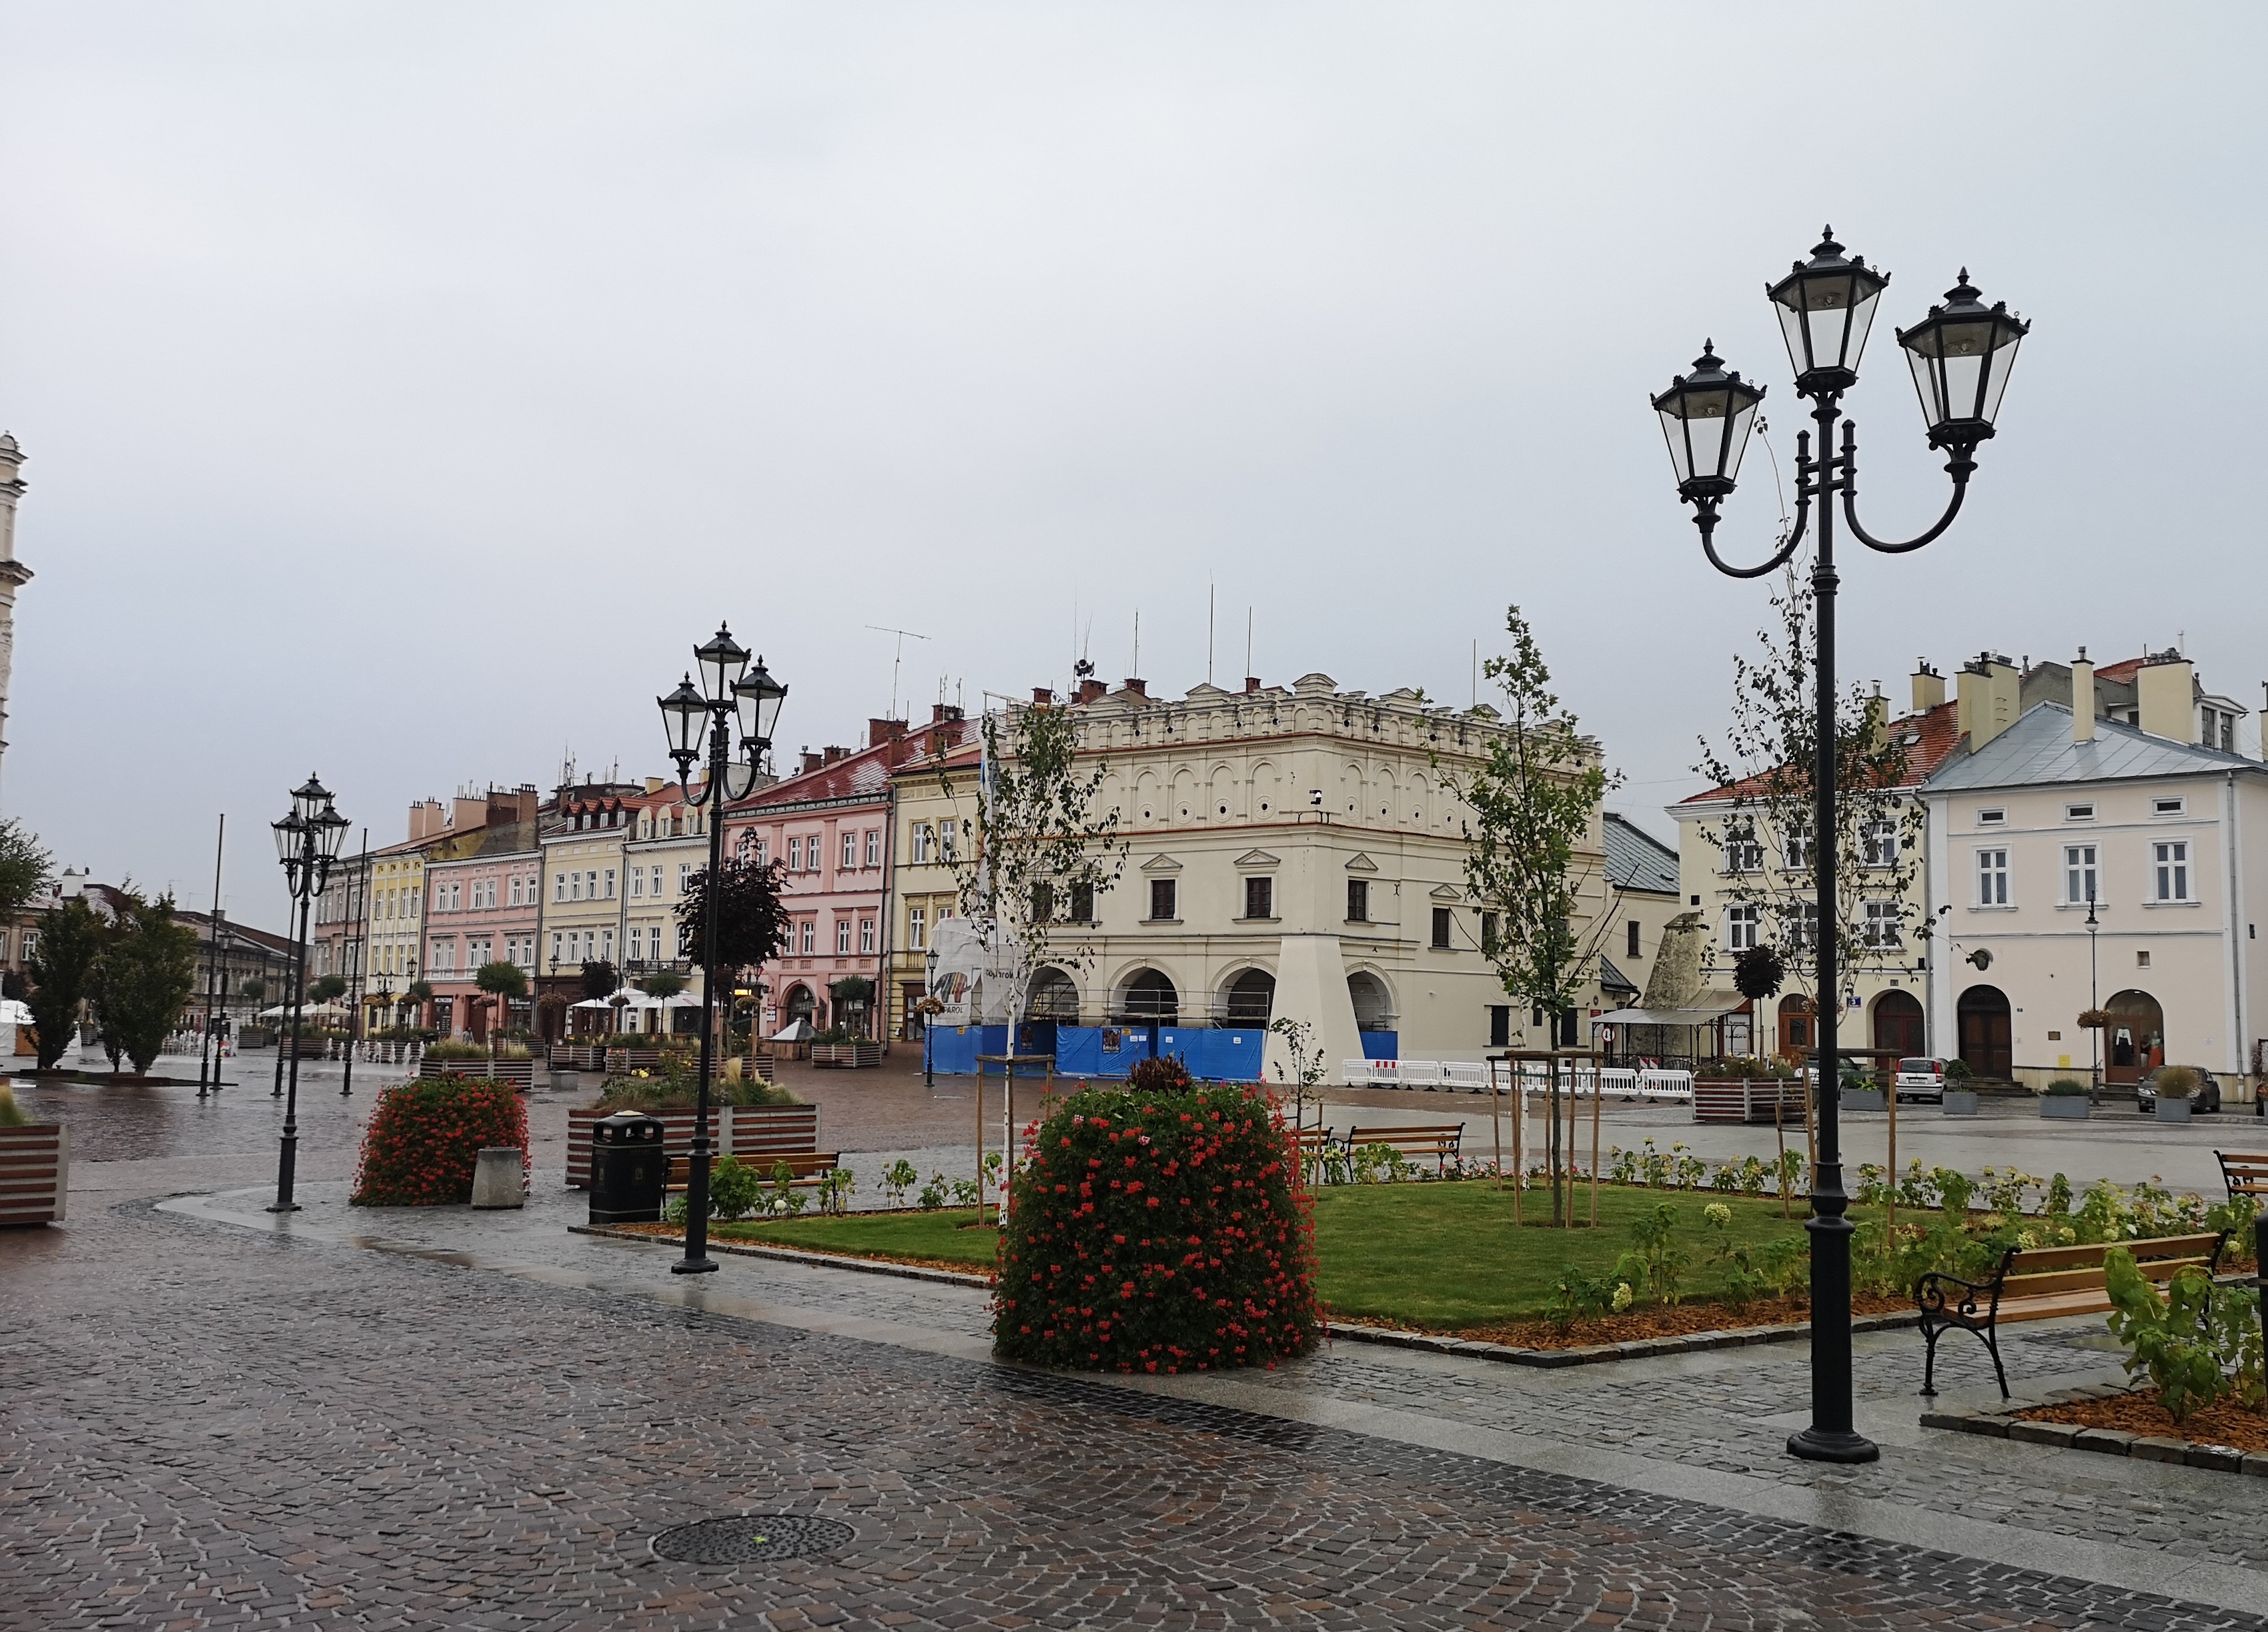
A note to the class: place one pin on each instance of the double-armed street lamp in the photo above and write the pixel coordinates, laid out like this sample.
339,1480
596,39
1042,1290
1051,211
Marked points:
729,693
1959,355
307,843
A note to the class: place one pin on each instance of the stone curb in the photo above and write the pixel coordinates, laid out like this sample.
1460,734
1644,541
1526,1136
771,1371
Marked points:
2005,1424
1689,1343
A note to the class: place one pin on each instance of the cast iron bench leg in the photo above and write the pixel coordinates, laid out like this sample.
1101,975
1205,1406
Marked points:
1929,1336
1993,1344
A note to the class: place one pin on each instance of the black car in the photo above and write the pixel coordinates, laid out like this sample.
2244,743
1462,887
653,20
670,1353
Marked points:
2204,1096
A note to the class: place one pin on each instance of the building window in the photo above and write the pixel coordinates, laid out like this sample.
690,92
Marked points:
559,886
850,850
1994,817
1630,949
1882,930
1491,926
610,883
2141,960
2170,862
1992,878
1880,844
1044,903
1082,904
1740,927
606,946
1743,855
810,935
2169,806
795,854
842,937
657,880
1499,1025
918,844
2079,874
1806,926
917,927
1260,898
1443,918
684,877
873,847
1358,901
763,852
575,886
947,835
866,934
654,942
637,883
1798,848
1161,899
2078,813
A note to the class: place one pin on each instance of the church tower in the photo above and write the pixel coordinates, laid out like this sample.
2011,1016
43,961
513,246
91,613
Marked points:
13,573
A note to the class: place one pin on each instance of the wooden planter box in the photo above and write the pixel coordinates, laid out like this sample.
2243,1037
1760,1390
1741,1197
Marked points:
620,1060
2064,1107
254,1037
34,1173
519,1073
1739,1099
846,1054
749,1133
577,1056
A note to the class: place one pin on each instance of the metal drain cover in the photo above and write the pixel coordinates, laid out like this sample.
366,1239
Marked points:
751,1538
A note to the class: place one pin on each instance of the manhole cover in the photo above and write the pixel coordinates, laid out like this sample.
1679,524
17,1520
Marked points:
751,1538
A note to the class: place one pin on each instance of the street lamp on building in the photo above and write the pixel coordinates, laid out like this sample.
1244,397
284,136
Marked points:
307,843
1960,355
730,694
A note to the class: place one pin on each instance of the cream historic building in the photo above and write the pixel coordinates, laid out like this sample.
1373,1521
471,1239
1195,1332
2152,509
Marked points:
1294,850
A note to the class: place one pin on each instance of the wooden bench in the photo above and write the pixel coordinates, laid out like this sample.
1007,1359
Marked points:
1440,1140
805,1168
2040,1283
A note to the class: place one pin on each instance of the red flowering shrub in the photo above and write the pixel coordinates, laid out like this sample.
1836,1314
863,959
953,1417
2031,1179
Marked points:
425,1137
1158,1232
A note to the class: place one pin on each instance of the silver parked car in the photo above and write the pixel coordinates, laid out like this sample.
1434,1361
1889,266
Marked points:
2204,1096
1922,1079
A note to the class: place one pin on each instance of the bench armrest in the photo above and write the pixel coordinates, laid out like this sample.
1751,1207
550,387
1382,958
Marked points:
1932,1295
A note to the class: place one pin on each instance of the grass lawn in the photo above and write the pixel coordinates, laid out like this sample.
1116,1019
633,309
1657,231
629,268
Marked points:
1444,1256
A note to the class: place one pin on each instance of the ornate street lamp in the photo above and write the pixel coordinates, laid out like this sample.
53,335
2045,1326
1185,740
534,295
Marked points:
1961,355
307,841
730,695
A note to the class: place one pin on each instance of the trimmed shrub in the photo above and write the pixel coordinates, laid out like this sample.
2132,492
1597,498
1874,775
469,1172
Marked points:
426,1135
1158,1232
2067,1088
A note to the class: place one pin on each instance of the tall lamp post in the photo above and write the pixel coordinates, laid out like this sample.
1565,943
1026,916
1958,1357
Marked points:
307,843
1960,355
2094,1008
729,692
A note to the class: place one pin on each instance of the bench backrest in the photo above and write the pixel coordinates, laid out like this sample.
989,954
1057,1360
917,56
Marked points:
2244,1172
2041,1272
1399,1137
801,1165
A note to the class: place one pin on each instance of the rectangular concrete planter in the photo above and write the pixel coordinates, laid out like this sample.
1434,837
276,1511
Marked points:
747,1132
2171,1110
2064,1107
34,1173
1959,1103
1861,1099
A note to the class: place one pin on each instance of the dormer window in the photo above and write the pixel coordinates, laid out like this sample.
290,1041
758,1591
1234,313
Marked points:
1993,816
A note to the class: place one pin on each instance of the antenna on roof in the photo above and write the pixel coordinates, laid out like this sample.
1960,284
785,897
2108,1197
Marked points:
1137,641
1209,599
903,635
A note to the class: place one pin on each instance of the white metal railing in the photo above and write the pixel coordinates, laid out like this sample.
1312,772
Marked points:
1475,1077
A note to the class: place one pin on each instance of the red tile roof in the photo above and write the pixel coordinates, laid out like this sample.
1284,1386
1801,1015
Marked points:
1937,728
864,774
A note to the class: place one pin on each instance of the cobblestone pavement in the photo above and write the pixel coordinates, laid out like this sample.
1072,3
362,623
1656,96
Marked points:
210,1425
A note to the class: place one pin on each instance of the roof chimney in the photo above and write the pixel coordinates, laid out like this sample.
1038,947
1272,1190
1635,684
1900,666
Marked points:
1139,688
1928,687
1089,689
1251,685
811,762
1041,696
1986,700
2082,698
2165,688
884,731
833,754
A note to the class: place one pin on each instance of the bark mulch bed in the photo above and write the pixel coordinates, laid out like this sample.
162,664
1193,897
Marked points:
674,1233
2224,1422
1639,1326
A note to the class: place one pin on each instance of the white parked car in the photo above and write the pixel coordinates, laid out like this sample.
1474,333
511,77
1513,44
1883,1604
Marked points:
1922,1079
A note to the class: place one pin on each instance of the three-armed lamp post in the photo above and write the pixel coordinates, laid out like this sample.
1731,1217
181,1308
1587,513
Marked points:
1961,355
307,843
727,690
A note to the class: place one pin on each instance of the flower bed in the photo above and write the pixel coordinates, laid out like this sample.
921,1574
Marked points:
425,1138
2224,1422
1158,1231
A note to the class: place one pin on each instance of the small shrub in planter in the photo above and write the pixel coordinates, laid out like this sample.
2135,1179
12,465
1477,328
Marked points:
425,1137
1158,1231
2067,1097
2066,1087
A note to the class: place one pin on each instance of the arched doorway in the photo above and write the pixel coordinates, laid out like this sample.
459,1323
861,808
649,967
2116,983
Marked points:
1899,1027
2135,1040
800,1005
1250,999
1796,1038
1054,996
1149,995
1374,1004
1984,1031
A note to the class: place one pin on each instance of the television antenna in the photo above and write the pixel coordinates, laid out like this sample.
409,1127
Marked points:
903,635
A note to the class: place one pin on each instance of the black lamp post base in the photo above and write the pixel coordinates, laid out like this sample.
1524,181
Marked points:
1817,1445
694,1266
285,1207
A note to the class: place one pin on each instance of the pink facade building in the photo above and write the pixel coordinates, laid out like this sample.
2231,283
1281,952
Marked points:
829,826
482,907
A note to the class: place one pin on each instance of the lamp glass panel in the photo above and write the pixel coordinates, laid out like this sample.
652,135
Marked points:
1996,382
1681,451
760,698
1737,426
331,831
722,660
682,711
1925,378
1793,330
287,836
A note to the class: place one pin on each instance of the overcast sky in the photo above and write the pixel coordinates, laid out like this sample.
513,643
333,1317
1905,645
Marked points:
406,388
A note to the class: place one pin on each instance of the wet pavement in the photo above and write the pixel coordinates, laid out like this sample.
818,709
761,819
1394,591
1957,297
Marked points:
433,1417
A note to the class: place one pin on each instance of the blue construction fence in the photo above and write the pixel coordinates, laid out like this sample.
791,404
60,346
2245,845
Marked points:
1225,1054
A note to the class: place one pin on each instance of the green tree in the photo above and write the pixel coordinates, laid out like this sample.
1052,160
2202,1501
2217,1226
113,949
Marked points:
1533,798
665,983
25,866
253,988
72,940
144,976
600,979
752,922
328,987
502,980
